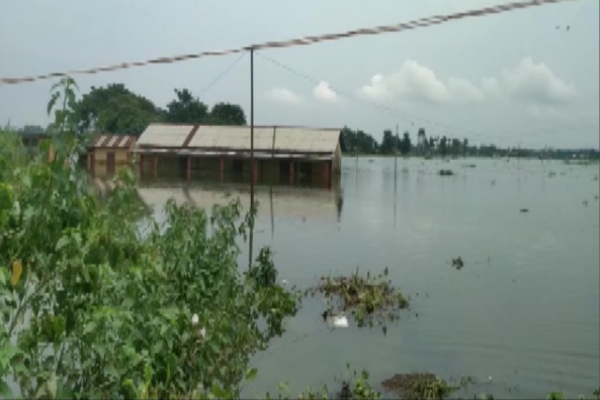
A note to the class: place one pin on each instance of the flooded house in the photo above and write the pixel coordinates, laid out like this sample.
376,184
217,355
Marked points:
107,153
284,155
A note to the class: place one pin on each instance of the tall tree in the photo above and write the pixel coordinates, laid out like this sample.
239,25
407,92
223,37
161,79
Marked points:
388,143
431,144
115,109
456,147
359,141
422,140
405,144
443,146
227,114
186,109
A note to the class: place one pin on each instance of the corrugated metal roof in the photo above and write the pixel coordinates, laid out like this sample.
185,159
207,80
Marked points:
162,135
112,141
237,138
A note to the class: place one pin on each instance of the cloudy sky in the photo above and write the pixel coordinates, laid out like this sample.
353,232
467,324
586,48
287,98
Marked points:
519,77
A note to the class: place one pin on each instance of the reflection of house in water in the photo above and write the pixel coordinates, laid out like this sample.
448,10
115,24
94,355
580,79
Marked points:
282,154
273,202
106,154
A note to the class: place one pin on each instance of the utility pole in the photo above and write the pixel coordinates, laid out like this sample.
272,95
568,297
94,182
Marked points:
252,172
396,151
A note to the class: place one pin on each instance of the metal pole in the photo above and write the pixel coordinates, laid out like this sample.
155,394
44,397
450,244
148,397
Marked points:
396,150
251,238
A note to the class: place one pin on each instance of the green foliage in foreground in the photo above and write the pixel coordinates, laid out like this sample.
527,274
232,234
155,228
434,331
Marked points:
94,308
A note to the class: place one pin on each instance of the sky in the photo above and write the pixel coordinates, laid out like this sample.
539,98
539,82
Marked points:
519,78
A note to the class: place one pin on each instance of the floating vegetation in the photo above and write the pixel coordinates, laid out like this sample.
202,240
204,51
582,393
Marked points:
596,197
423,386
458,263
369,299
445,172
524,210
469,166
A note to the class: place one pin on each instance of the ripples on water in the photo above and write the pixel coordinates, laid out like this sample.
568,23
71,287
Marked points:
524,309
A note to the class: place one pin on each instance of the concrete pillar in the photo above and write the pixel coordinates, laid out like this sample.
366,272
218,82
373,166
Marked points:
155,166
221,168
188,168
326,173
291,172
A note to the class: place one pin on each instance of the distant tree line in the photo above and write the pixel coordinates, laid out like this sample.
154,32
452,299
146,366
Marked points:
117,110
359,142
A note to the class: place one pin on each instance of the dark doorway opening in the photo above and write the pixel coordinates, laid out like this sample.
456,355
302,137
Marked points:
110,163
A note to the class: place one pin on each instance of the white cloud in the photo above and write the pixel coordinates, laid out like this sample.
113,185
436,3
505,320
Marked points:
414,82
324,93
532,83
536,83
284,96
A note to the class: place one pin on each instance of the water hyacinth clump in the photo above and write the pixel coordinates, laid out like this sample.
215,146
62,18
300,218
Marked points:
369,299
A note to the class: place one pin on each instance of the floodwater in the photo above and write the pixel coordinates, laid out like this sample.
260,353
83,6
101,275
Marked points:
523,315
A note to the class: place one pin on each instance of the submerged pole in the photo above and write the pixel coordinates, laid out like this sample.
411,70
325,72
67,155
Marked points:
251,238
396,151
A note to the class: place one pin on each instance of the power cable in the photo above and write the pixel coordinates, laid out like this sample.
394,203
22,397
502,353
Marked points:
308,40
221,75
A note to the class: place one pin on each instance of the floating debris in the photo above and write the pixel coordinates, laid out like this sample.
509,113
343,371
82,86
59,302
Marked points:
368,299
423,386
445,172
338,321
524,210
551,174
458,263
585,203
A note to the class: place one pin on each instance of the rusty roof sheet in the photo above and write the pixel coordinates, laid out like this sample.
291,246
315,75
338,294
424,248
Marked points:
164,135
112,141
237,138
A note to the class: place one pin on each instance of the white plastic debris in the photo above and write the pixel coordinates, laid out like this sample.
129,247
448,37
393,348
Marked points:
203,332
284,282
195,319
339,321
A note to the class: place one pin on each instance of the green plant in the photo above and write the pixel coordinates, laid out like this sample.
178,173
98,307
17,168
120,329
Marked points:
370,299
92,307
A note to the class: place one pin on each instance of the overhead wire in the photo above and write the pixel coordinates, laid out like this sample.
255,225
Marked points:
223,73
308,40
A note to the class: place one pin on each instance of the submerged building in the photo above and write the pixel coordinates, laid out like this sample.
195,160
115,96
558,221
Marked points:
281,154
106,154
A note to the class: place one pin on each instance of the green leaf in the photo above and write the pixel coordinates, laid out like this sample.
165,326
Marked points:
62,242
251,374
5,390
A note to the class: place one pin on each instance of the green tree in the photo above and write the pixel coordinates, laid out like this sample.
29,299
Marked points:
227,114
186,109
422,142
456,147
115,109
389,143
443,146
405,144
351,141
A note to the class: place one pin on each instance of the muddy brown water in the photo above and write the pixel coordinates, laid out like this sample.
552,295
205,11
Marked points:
523,311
